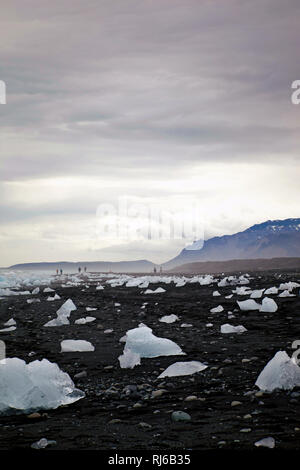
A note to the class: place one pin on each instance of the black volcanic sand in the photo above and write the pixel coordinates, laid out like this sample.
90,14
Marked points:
115,416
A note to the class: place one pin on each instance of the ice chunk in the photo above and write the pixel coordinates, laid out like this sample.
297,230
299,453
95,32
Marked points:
76,345
266,442
169,318
256,294
281,372
10,328
55,297
289,286
83,321
286,293
90,309
33,301
36,291
249,304
216,293
42,443
142,341
37,385
10,322
48,289
226,328
182,368
268,305
271,290
129,359
63,314
217,309
159,290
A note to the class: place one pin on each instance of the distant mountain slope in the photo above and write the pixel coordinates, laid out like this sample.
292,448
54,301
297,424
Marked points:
237,265
274,238
140,266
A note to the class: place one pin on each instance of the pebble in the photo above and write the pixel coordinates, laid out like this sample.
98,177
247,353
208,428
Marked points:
157,393
180,416
191,398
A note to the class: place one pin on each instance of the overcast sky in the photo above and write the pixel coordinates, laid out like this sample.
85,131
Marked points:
163,101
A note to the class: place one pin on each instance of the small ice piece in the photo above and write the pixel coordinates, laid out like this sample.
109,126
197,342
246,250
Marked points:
159,290
228,296
32,301
142,341
256,294
268,305
289,286
42,443
249,304
66,308
217,309
180,283
226,329
209,325
242,291
63,314
169,318
129,359
286,293
83,321
117,304
186,325
271,290
10,328
76,345
266,442
281,372
48,289
99,287
34,386
10,322
55,297
216,293
182,368
90,309
36,291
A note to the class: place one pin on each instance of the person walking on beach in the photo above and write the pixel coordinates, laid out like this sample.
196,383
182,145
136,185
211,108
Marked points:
61,271
79,269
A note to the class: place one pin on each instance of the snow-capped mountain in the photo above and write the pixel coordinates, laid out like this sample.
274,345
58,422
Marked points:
274,238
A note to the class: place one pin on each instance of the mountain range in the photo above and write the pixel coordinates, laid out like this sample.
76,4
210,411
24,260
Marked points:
270,239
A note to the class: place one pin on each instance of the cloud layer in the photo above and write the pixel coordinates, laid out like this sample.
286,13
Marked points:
153,99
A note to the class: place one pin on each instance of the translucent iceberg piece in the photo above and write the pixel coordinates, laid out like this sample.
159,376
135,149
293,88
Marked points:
281,372
129,359
268,305
183,368
217,309
226,329
169,318
266,442
34,386
76,345
142,341
249,304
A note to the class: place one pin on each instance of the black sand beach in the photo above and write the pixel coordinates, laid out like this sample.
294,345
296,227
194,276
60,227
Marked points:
120,410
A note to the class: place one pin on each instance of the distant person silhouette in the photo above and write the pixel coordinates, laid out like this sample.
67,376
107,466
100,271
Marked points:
85,269
79,269
61,271
154,270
